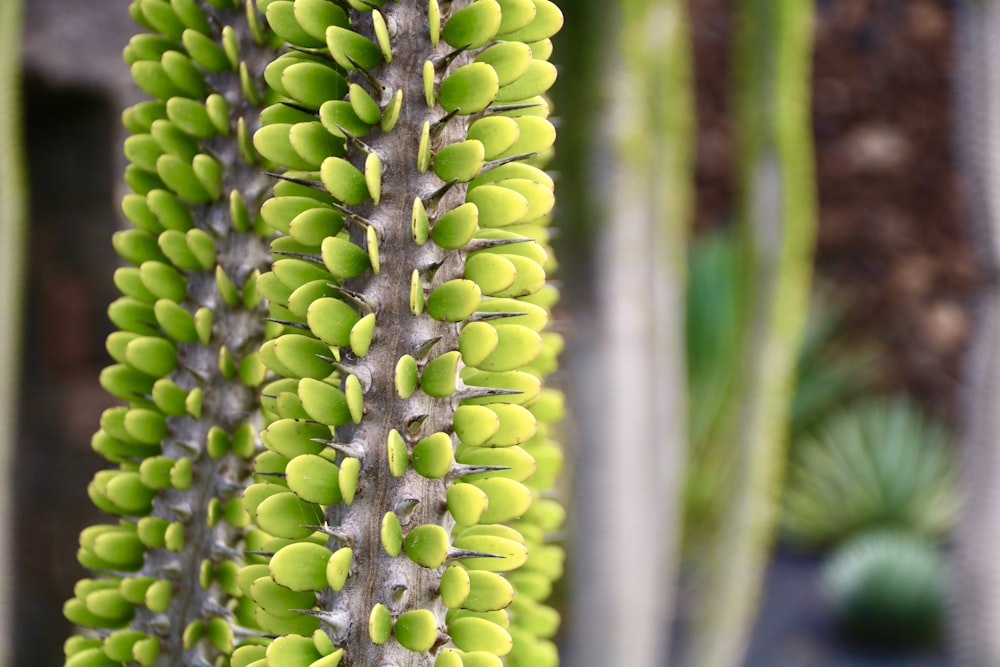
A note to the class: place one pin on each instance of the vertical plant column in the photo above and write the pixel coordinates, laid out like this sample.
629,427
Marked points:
407,426
164,589
13,251
777,202
976,618
625,578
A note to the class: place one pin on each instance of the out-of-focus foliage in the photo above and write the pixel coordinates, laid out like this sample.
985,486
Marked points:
880,464
830,372
888,588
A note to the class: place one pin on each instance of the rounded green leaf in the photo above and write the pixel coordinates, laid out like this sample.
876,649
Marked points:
432,456
379,624
286,515
474,25
454,300
469,89
488,591
300,566
476,342
152,355
478,634
338,116
516,346
498,206
365,108
338,567
460,161
361,335
546,22
344,259
344,181
332,320
314,479
350,468
303,355
427,545
455,229
496,133
508,499
493,273
466,503
454,587
392,534
323,402
352,50
440,375
405,379
475,424
294,437
416,630
398,456
538,78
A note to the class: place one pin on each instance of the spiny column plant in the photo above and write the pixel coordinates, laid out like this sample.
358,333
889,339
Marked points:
164,589
407,428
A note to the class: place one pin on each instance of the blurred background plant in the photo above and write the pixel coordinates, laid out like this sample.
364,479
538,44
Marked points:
834,367
889,589
878,464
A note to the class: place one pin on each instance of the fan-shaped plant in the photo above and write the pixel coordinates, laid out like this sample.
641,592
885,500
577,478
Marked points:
888,588
883,464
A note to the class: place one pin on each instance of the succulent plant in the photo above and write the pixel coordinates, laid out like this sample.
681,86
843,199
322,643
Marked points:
888,588
393,505
879,464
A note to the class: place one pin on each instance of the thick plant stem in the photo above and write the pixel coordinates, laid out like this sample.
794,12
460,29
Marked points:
163,591
638,444
403,418
975,630
777,205
13,250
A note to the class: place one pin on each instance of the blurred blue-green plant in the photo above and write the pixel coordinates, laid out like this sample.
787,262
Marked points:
881,463
888,588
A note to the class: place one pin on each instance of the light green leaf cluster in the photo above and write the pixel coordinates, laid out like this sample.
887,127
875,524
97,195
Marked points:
407,426
187,367
395,512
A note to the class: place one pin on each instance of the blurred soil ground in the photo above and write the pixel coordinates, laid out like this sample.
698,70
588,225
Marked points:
891,240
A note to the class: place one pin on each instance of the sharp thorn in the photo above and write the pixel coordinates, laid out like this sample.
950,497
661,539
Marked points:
486,316
431,200
424,348
372,81
481,392
455,554
316,185
441,64
493,164
441,122
315,259
482,244
288,323
461,470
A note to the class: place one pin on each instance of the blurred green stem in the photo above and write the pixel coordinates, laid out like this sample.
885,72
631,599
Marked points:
625,575
12,261
777,212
